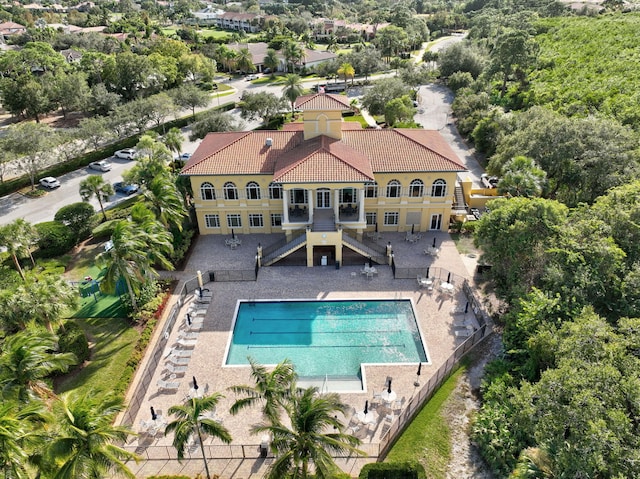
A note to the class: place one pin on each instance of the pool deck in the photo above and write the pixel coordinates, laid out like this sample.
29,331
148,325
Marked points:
434,314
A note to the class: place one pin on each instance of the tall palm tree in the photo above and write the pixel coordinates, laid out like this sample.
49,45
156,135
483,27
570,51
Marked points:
173,140
292,89
346,71
293,53
271,61
94,185
135,248
20,436
29,236
244,61
44,301
26,360
165,201
307,443
191,421
272,389
84,443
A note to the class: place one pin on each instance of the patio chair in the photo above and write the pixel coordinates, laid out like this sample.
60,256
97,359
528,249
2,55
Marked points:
167,386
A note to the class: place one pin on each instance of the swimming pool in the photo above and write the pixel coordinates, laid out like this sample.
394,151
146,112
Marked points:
330,337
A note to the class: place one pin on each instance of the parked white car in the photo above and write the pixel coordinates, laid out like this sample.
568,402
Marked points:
102,165
50,182
126,154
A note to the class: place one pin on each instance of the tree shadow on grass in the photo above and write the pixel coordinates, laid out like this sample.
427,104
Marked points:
106,306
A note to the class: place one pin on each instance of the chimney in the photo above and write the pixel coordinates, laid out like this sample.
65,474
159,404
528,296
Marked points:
269,141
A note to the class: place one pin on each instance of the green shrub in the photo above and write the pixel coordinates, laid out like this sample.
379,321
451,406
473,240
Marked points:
393,470
55,239
71,339
54,265
79,217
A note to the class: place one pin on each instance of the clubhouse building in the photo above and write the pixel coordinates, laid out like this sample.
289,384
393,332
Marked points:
327,184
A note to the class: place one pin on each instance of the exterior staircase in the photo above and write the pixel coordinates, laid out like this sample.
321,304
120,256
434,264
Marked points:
371,250
459,206
283,250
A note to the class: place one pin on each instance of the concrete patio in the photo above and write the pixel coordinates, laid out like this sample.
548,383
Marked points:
435,315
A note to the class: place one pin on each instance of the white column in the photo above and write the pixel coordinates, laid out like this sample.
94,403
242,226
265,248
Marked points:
310,195
336,204
285,206
361,205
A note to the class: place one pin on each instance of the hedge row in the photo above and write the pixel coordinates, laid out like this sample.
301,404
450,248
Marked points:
393,470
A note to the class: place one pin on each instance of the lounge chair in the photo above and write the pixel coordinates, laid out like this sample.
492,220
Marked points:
178,361
187,343
179,353
165,385
188,336
175,369
463,333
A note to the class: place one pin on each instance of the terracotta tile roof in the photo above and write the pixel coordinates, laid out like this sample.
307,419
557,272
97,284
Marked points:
322,101
391,150
356,157
346,125
322,159
241,152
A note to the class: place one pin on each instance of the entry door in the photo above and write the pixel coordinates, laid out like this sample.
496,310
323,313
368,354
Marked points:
323,199
436,222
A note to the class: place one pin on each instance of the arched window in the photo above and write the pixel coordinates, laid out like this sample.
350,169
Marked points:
230,191
416,188
207,191
275,191
439,188
393,189
253,191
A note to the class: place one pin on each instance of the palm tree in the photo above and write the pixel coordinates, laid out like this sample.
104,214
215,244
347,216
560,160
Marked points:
83,445
95,185
20,436
332,44
227,57
18,237
135,248
25,362
292,89
272,389
271,61
307,442
45,300
346,71
293,53
165,201
191,422
244,61
173,140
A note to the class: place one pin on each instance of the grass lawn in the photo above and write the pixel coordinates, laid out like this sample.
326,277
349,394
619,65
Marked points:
428,438
358,118
112,343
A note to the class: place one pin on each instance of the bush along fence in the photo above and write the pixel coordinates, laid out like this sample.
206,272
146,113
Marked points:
253,451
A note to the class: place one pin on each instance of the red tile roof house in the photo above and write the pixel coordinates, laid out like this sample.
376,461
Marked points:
11,28
323,183
258,51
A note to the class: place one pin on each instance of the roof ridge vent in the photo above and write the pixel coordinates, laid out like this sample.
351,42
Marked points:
269,141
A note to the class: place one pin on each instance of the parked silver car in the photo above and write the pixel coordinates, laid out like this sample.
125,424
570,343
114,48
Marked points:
102,165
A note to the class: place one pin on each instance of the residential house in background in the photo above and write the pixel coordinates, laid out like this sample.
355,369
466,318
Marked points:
324,183
258,51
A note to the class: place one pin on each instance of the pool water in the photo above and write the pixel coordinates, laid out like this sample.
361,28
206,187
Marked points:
326,337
